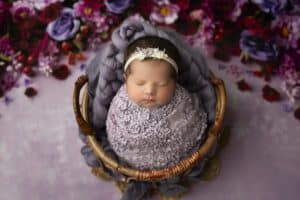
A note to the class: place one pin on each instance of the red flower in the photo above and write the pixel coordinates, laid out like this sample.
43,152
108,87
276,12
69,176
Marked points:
61,72
50,13
5,18
95,4
1,92
30,92
243,85
250,22
183,4
185,24
270,94
23,45
257,73
144,7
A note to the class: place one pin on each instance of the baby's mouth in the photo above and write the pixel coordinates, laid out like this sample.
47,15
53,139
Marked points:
148,100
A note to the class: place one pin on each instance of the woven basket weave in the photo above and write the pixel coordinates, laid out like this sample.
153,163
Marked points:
148,175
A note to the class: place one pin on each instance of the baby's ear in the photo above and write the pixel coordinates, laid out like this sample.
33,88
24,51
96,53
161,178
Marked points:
124,76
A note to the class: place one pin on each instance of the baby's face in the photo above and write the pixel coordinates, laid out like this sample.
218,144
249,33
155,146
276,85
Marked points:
149,83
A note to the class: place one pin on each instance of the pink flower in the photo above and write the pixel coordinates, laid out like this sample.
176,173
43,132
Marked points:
292,90
204,35
22,10
86,10
197,14
164,12
287,28
287,70
291,79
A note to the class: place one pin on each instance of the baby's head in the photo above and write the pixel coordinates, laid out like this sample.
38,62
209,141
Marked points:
150,71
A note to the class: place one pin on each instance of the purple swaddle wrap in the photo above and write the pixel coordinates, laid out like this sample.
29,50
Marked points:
157,137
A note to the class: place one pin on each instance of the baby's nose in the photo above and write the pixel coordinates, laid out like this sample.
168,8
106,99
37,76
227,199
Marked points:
149,90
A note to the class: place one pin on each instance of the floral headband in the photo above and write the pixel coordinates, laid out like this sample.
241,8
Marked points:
142,53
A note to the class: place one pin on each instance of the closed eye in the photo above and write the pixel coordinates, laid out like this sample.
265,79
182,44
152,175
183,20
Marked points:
165,83
140,83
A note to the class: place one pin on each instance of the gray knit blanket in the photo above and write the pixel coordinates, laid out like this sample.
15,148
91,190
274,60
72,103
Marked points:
106,71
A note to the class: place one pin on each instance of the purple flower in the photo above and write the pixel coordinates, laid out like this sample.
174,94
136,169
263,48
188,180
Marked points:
7,100
165,12
64,27
273,6
22,10
117,6
9,80
257,48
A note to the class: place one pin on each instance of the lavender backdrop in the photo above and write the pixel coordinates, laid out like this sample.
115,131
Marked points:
40,150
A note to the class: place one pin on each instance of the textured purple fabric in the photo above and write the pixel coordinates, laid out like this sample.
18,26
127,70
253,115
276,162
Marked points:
155,138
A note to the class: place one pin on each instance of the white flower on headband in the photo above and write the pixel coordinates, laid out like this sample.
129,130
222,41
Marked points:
142,53
151,52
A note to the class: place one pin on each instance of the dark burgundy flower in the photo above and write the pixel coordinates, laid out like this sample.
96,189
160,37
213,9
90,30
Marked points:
95,4
186,25
61,72
23,45
243,85
297,113
5,18
270,94
50,13
30,92
144,7
1,92
183,4
218,9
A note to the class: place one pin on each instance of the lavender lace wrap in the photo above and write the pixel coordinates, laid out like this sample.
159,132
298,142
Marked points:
157,137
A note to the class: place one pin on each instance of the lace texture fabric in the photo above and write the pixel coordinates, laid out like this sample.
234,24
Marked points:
154,138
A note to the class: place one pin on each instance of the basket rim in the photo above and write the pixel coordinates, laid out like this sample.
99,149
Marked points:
156,174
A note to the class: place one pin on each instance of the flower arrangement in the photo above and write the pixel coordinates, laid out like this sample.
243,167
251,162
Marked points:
36,34
260,31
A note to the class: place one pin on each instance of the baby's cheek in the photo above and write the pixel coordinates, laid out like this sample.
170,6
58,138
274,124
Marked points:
134,94
165,95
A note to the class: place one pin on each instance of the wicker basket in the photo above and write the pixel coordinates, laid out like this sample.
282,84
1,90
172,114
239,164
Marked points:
148,175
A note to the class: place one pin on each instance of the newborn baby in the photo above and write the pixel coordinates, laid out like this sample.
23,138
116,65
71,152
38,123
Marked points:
153,122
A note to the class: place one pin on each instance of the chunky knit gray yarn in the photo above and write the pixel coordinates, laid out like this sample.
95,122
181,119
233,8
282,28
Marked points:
106,71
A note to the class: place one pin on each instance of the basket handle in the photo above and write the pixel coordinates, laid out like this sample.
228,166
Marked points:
83,125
